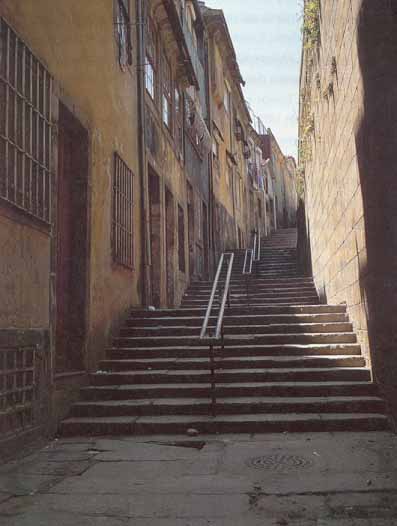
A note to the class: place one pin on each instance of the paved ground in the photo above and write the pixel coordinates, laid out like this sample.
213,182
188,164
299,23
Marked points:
273,480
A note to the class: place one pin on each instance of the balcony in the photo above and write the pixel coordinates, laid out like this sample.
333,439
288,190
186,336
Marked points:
193,53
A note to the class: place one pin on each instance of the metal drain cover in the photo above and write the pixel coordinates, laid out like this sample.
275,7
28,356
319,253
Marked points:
280,462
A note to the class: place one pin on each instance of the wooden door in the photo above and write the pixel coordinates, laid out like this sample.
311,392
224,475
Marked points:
71,242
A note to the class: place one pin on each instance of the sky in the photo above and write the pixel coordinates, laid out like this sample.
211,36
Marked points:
267,39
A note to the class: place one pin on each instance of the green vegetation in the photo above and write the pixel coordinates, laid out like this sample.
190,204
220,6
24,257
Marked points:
311,23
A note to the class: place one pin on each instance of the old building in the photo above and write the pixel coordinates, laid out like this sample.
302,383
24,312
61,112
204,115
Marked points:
69,208
259,221
177,146
229,128
348,108
284,184
125,171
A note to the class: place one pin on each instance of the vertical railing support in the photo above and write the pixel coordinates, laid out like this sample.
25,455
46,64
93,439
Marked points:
218,336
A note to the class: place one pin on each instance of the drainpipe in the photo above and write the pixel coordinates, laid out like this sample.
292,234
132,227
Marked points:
145,254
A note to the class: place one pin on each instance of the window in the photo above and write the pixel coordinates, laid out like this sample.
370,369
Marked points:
181,239
149,78
215,149
167,93
151,59
226,99
178,120
123,32
17,383
122,213
25,127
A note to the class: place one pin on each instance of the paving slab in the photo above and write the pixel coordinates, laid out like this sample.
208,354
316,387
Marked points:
317,479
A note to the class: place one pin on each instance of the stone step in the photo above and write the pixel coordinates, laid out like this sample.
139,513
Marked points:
177,364
253,423
297,338
244,310
234,375
273,282
254,293
265,274
228,406
259,300
240,329
257,288
197,321
235,351
237,389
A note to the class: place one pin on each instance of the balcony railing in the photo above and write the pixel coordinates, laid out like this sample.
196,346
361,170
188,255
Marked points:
193,52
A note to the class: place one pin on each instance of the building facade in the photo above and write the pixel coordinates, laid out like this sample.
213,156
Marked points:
124,174
70,263
347,146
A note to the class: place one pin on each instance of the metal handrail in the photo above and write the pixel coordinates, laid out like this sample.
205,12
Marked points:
251,255
218,335
257,245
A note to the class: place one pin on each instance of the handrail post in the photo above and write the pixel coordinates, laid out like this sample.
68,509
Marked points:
213,383
219,334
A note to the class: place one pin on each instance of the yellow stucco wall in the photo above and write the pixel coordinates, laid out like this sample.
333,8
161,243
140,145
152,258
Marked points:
77,44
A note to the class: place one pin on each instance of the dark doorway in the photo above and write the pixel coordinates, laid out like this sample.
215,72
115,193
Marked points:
170,246
155,237
190,226
205,241
72,251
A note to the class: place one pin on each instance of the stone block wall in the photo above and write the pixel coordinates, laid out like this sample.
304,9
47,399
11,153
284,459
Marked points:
348,141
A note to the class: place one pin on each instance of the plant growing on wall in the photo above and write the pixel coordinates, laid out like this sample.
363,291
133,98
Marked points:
311,23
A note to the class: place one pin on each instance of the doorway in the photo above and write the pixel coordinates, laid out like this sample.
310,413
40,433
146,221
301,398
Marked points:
170,246
72,242
155,237
205,241
190,226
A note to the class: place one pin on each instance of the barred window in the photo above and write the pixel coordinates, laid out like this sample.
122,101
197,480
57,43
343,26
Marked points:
25,127
122,213
16,378
167,93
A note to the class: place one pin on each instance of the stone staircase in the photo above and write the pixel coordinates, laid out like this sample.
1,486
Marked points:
290,364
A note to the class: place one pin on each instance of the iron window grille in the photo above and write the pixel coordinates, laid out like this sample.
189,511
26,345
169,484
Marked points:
122,214
17,371
25,127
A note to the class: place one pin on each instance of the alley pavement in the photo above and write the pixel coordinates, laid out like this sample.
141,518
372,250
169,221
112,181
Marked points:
320,479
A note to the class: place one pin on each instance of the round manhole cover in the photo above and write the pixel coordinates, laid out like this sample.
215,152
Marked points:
280,462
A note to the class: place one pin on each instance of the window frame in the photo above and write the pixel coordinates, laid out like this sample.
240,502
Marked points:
122,228
151,59
123,32
166,95
26,175
179,118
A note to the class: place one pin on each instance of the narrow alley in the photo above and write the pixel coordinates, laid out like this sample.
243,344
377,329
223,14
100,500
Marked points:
198,260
